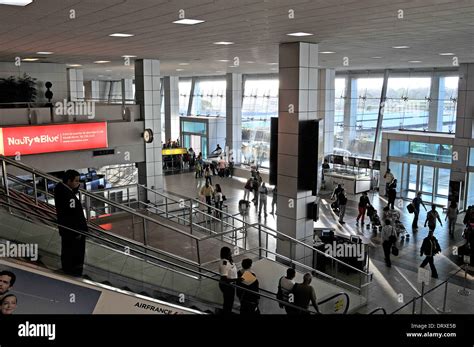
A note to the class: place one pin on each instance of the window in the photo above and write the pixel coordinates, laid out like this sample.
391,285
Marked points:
209,98
260,103
184,94
447,102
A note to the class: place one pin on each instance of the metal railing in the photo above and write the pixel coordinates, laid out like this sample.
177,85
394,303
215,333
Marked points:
200,226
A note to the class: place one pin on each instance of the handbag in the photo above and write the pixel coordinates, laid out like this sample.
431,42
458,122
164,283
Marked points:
224,198
395,250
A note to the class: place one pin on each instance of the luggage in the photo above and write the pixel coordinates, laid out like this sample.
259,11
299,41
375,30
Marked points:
244,206
410,208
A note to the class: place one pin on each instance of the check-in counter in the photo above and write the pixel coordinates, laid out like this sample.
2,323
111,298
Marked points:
353,183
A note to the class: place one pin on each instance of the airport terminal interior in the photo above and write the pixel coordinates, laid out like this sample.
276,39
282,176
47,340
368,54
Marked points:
237,157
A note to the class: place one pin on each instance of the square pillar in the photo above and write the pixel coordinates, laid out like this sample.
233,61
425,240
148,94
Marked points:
298,102
75,84
234,116
147,81
171,98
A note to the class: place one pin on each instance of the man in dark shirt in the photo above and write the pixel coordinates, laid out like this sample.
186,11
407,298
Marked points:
363,203
417,201
70,217
304,294
249,298
430,247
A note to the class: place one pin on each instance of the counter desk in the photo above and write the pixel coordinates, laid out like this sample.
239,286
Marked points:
353,183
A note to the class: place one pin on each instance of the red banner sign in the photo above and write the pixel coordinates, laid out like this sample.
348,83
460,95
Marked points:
52,138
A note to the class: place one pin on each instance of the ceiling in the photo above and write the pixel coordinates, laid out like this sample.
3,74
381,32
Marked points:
356,29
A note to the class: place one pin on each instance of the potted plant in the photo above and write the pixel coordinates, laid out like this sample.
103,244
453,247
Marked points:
18,89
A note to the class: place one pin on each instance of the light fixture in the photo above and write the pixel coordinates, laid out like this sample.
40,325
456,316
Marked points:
30,59
16,2
232,66
108,70
45,53
400,47
272,63
102,61
188,21
223,43
101,75
74,65
446,54
129,56
179,69
183,64
376,57
223,60
300,33
414,61
121,35
220,71
250,62
273,69
327,52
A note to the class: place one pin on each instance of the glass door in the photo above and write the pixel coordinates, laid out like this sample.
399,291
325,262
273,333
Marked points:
441,189
426,180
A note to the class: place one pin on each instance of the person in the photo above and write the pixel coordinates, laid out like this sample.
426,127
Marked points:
335,195
207,191
417,201
192,157
221,165
364,202
228,272
255,187
70,219
389,238
248,280
218,199
218,150
431,218
263,192
388,179
326,168
248,188
231,167
207,175
285,288
430,247
274,199
7,280
393,215
198,169
304,293
342,205
452,214
392,195
8,304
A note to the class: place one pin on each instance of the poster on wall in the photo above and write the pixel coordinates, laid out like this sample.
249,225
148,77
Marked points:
52,138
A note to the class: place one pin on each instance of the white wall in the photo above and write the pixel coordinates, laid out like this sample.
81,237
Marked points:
43,72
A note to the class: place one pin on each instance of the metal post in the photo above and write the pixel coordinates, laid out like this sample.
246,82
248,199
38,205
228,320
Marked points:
5,177
444,310
414,306
259,241
166,206
191,217
88,208
128,196
464,291
266,243
198,254
422,293
138,196
145,235
35,191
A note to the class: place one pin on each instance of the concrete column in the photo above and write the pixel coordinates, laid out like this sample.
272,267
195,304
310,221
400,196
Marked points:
435,115
464,123
298,99
350,111
147,82
171,98
327,92
75,84
234,116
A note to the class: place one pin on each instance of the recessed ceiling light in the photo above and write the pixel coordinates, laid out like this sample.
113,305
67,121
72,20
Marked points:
272,63
188,21
101,61
129,56
30,59
121,35
414,61
327,52
220,71
101,75
183,64
223,60
446,54
376,57
232,66
223,43
300,34
45,53
179,69
108,70
16,2
250,62
273,69
74,65
400,47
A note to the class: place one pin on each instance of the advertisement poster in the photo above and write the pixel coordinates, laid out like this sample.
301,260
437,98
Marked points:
52,138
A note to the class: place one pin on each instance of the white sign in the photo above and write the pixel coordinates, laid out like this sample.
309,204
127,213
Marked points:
424,275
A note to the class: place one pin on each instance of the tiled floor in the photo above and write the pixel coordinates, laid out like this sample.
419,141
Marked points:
388,283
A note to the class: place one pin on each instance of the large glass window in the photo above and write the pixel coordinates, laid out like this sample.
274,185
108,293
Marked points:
260,103
421,150
184,94
209,98
447,102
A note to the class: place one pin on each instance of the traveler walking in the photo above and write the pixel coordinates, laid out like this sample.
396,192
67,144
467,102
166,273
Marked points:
430,247
452,214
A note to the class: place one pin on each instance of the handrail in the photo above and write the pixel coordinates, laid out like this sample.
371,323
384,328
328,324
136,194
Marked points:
198,274
429,291
378,309
335,296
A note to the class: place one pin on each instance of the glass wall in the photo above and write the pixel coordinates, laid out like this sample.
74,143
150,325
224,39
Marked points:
447,102
209,97
184,92
260,103
421,150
